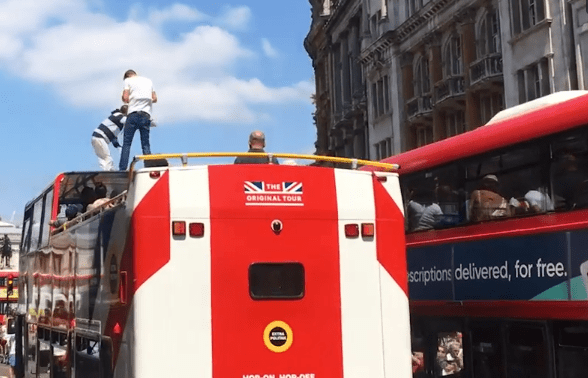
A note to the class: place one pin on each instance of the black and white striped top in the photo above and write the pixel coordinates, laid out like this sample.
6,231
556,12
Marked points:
111,127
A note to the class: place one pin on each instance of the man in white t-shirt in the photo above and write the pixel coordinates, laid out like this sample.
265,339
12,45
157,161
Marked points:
139,94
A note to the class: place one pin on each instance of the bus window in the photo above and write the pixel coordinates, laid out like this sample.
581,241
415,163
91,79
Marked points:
486,350
449,359
568,172
571,349
276,281
526,352
26,239
87,358
503,184
419,352
36,225
433,199
48,207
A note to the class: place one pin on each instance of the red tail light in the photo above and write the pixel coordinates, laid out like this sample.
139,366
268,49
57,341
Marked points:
196,229
117,329
122,288
351,230
154,174
367,229
179,228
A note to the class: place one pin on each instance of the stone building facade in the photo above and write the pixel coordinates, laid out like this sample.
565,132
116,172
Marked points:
392,75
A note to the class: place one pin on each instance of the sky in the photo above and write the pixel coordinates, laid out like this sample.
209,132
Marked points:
220,71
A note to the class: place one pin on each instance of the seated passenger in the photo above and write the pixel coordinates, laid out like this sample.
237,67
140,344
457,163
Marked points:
539,201
485,203
101,197
567,182
431,217
88,196
256,144
71,212
414,211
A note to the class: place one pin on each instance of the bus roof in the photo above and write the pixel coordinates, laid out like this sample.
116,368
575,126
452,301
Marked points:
548,115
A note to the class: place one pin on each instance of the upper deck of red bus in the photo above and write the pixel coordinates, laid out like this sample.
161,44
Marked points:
548,118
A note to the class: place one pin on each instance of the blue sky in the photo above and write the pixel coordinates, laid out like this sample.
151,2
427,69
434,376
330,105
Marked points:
220,69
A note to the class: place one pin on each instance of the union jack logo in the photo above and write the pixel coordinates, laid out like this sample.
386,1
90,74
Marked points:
292,187
253,186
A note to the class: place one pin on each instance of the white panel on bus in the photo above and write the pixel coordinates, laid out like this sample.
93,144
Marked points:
175,326
395,320
361,310
139,187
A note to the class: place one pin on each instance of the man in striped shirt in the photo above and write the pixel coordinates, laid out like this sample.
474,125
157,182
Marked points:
107,132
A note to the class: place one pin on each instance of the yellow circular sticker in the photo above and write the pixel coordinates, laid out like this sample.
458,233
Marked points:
278,336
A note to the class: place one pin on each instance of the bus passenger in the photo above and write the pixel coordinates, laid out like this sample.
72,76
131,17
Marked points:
567,182
106,133
486,203
430,217
414,210
101,197
539,201
71,212
139,94
87,197
256,144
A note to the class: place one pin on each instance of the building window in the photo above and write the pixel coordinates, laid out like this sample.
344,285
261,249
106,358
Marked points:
533,81
453,57
489,35
490,105
424,135
422,83
383,149
526,13
381,96
455,123
494,31
374,24
413,6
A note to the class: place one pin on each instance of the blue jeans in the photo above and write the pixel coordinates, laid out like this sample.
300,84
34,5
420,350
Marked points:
135,121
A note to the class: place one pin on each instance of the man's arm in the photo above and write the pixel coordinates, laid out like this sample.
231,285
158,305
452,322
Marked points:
153,97
125,96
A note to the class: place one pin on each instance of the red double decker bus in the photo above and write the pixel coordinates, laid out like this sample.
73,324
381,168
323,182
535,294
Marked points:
497,244
8,292
240,270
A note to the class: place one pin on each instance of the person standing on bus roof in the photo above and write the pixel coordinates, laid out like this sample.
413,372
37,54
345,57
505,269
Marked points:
106,133
256,144
139,94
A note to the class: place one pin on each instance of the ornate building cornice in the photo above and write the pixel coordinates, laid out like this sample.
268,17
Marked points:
415,22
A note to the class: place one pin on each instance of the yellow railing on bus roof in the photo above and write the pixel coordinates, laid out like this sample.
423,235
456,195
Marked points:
331,159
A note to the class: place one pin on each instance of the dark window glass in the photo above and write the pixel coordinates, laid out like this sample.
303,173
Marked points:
527,354
568,170
486,350
571,349
276,281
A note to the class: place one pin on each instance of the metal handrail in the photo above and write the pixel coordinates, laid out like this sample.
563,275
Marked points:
184,158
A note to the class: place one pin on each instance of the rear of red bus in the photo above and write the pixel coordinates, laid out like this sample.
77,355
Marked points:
265,271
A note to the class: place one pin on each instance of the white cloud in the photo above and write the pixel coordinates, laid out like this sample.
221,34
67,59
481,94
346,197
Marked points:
235,18
176,12
82,55
268,49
